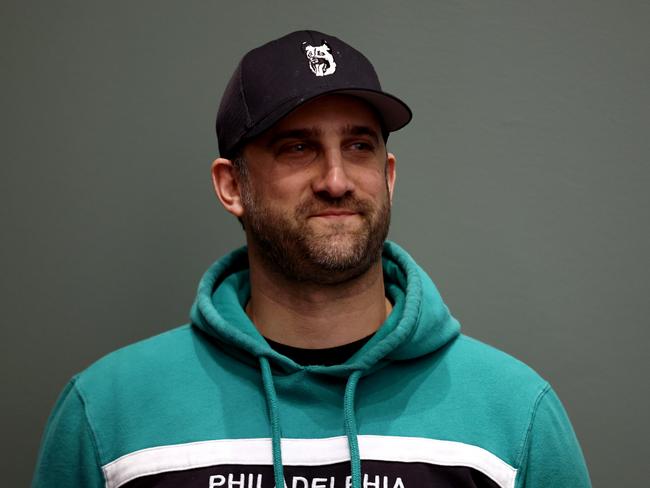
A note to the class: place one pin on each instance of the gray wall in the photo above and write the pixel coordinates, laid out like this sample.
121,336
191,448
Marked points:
522,185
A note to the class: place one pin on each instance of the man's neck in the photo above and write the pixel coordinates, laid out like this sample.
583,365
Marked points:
310,315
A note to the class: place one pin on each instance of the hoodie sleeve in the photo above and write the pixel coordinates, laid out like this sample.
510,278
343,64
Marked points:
552,454
68,456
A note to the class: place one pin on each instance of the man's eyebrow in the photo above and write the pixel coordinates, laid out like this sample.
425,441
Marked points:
306,133
361,130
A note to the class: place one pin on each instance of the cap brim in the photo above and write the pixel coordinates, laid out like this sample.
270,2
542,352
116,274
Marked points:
395,114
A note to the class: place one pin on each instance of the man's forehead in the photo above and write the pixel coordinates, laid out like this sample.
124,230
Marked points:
343,114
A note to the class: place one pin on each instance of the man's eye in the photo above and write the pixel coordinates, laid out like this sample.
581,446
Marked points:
296,153
361,146
294,148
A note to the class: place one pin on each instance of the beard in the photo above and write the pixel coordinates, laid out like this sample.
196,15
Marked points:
326,254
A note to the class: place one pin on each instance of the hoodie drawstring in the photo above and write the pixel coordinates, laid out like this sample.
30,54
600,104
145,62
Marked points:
274,417
350,424
351,427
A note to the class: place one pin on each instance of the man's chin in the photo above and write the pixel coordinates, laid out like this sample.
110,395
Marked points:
338,251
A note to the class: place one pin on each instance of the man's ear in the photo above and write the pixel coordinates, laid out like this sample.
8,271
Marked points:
390,174
226,186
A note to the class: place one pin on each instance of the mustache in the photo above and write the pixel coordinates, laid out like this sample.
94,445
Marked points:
319,203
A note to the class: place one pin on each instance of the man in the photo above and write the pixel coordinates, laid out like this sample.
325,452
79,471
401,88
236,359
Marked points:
319,356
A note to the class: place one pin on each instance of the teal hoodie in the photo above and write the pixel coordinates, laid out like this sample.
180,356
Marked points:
211,404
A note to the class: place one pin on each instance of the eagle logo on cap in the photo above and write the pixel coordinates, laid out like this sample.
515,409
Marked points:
321,61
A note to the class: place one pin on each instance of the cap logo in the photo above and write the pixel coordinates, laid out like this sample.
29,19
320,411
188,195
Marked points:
321,61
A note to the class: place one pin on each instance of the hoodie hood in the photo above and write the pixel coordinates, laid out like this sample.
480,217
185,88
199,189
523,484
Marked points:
419,324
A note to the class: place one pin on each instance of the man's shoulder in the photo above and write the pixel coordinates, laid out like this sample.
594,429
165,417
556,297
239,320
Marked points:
492,357
159,377
490,368
140,359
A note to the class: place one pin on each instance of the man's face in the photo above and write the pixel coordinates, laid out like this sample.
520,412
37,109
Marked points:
317,194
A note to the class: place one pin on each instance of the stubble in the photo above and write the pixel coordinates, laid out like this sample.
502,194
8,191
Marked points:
330,253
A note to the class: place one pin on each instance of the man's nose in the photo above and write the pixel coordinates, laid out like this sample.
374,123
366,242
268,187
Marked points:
333,177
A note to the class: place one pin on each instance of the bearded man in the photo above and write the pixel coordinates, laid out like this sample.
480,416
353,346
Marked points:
319,356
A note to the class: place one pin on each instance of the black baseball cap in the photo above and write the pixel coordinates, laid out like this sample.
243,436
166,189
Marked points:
277,77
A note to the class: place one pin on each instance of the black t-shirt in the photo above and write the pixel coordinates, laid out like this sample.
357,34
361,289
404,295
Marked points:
323,357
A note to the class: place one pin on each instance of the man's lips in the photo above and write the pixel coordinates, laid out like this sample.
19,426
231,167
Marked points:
334,213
